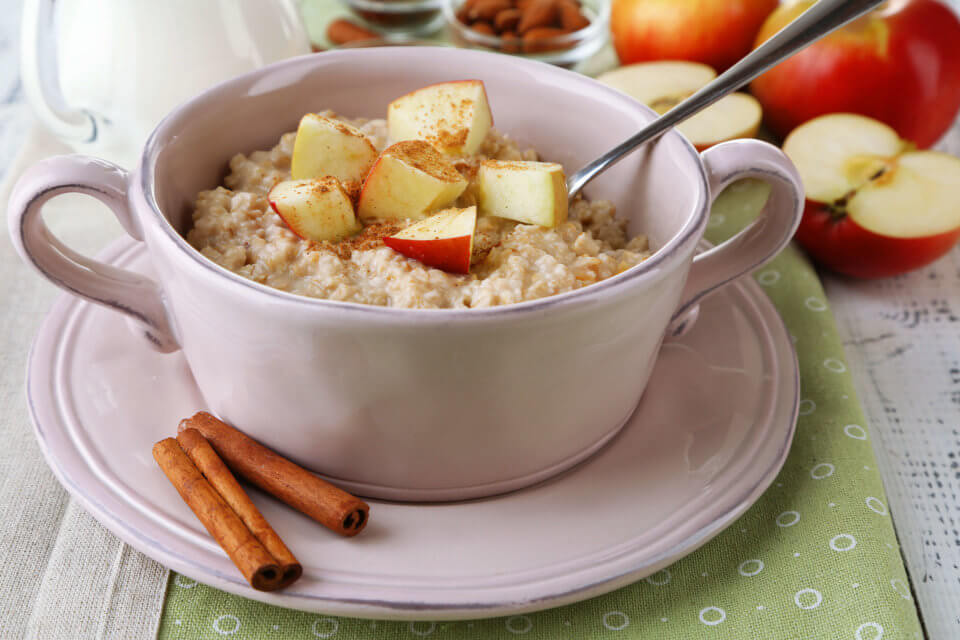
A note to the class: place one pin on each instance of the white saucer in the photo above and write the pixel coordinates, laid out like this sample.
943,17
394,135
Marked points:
709,436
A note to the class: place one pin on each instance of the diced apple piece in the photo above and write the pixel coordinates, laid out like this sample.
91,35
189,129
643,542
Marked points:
452,116
444,240
328,147
663,85
409,180
317,209
530,192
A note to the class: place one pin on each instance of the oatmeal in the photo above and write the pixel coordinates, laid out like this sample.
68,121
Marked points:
235,227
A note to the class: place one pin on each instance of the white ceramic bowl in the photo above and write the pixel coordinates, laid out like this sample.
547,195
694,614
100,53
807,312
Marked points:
414,404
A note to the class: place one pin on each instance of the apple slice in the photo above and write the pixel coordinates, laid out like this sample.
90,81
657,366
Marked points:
444,240
409,180
452,116
875,207
328,147
318,209
525,191
663,85
839,154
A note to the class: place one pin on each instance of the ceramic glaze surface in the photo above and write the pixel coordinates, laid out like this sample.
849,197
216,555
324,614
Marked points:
709,436
420,404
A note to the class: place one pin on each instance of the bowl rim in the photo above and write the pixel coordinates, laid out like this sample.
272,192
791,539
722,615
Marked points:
651,268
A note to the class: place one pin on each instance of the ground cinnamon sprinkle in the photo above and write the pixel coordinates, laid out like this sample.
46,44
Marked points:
423,156
352,189
447,137
467,169
371,237
451,139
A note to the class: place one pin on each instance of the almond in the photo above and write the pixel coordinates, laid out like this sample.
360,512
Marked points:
571,18
539,13
483,27
507,20
486,10
538,40
511,42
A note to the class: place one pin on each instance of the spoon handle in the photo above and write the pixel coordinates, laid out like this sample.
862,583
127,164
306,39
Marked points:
817,21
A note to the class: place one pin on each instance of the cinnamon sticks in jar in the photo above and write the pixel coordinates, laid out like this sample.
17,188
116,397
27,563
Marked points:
204,481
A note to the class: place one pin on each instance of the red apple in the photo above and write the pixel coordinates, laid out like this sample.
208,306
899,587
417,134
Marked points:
444,240
714,32
899,64
875,207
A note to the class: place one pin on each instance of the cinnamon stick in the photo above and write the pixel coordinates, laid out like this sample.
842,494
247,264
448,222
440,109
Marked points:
251,558
294,485
342,31
217,474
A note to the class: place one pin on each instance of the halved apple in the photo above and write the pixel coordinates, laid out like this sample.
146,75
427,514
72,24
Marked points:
875,207
525,191
318,209
452,116
663,85
409,180
444,240
328,147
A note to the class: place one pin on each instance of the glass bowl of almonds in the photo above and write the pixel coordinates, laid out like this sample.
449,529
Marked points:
399,18
561,32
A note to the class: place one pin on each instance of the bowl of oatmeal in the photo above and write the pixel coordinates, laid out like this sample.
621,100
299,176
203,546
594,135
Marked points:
512,258
486,337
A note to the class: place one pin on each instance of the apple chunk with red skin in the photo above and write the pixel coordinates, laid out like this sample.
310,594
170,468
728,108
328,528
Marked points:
875,207
525,191
663,85
328,147
444,240
317,210
409,180
452,116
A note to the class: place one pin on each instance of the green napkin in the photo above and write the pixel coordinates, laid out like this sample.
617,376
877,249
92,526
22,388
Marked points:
816,557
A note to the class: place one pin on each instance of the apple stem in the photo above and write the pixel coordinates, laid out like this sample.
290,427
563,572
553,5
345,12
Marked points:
838,208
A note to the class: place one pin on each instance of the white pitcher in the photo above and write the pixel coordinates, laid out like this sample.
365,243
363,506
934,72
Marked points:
100,74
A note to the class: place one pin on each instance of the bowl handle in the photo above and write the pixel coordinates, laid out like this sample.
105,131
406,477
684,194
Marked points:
135,295
761,240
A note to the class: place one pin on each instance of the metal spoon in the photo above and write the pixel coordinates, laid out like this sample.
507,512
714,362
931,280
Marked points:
817,21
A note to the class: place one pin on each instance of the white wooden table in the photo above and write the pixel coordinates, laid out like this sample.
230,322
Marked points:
902,337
